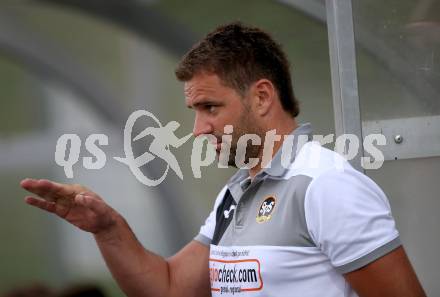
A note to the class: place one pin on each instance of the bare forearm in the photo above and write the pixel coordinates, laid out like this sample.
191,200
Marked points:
137,271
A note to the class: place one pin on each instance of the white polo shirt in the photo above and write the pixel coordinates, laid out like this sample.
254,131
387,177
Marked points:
295,231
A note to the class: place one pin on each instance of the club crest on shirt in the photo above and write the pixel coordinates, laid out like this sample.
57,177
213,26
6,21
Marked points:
266,209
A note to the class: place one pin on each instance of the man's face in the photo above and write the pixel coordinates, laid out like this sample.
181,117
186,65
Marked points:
216,106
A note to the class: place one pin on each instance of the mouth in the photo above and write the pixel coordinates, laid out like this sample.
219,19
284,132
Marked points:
218,146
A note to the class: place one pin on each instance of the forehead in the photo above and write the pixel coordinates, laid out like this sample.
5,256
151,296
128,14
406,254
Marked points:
203,82
207,87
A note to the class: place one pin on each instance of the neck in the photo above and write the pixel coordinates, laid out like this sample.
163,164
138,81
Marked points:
284,128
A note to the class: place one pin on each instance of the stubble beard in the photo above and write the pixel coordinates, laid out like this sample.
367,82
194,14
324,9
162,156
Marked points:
246,125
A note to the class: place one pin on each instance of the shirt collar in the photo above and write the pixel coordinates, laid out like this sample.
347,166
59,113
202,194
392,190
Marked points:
275,168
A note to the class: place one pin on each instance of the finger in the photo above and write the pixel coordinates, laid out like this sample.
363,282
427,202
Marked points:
24,183
50,190
38,186
40,203
28,184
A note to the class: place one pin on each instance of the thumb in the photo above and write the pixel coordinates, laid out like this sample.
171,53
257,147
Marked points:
96,205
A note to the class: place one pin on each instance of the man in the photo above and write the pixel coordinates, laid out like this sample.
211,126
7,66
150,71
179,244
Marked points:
296,230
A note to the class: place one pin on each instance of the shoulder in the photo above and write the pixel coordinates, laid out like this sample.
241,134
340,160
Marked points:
314,160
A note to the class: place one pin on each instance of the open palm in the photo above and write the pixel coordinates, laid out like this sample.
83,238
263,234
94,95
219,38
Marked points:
74,203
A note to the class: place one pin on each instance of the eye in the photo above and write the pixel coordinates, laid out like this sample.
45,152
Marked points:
211,108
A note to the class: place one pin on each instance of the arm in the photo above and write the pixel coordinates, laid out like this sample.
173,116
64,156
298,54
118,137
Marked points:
137,271
350,220
390,275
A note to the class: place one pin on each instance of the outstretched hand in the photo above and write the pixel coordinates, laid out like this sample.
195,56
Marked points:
72,202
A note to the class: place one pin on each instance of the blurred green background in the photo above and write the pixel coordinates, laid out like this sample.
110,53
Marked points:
84,68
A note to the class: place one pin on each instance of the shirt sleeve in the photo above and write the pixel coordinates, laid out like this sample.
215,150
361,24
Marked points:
349,218
207,230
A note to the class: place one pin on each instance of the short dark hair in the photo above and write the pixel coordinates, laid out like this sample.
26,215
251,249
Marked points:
241,55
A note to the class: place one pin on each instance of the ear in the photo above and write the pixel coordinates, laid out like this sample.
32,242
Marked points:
264,95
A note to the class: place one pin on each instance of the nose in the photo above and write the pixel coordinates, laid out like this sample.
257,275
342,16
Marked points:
201,125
